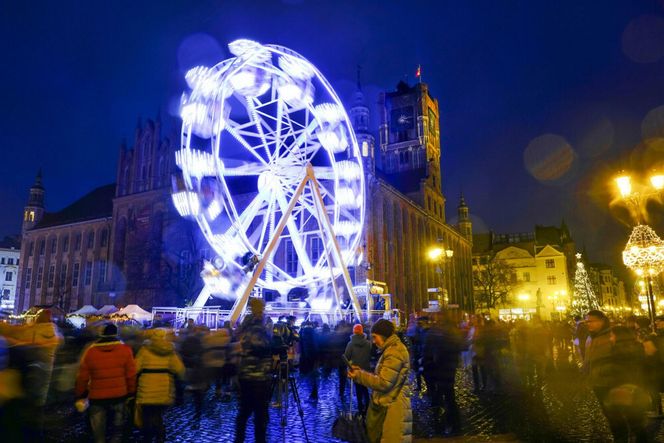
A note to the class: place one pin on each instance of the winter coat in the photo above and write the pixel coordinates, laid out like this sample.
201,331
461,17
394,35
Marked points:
391,375
107,371
157,365
255,362
215,347
440,353
358,351
597,362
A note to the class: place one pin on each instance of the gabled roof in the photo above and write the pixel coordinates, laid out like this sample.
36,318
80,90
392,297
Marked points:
514,252
549,251
93,205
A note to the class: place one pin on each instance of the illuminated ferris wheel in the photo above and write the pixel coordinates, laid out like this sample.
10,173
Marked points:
271,172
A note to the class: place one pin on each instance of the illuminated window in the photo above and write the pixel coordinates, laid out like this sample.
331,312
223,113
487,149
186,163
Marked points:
365,149
550,263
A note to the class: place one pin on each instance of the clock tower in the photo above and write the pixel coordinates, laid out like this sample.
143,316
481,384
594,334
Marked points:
410,145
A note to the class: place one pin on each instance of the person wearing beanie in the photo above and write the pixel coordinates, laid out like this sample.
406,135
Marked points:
107,377
389,417
358,353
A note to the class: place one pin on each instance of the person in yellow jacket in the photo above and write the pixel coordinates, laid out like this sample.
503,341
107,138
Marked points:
157,365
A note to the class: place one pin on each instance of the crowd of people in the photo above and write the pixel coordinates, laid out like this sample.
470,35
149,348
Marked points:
127,378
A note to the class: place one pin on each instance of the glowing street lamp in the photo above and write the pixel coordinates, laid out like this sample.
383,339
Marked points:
644,254
439,256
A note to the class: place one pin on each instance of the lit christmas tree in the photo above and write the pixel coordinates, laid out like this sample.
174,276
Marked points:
584,298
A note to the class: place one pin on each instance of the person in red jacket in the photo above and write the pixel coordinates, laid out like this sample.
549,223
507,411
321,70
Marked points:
107,377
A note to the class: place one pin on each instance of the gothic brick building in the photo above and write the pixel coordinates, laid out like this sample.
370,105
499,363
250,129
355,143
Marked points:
125,243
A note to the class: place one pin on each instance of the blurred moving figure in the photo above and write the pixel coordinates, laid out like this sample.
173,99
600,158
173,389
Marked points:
442,348
157,365
310,356
107,377
215,353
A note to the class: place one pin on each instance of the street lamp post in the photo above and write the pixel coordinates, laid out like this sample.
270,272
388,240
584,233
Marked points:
439,256
644,252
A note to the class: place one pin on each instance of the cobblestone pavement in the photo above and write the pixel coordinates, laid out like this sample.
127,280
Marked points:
560,410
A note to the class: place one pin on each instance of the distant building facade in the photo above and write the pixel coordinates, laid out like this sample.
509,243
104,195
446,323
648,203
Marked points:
9,262
120,243
609,289
535,267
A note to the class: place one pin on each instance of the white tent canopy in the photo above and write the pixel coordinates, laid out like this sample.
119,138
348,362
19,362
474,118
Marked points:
85,311
107,310
135,312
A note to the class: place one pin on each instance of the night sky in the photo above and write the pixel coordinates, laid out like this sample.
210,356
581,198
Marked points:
541,102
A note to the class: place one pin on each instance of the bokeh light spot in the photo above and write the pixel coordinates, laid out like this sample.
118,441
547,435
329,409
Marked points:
597,139
653,124
199,50
643,39
548,158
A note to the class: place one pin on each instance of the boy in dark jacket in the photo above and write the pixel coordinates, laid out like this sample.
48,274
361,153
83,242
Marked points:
107,376
358,352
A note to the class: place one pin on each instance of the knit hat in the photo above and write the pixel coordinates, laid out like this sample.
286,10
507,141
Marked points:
110,330
358,329
257,306
383,327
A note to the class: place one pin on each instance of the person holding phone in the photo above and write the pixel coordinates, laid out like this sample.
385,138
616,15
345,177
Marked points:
389,416
358,353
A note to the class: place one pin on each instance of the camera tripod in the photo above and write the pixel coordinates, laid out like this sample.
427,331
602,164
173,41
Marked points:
282,381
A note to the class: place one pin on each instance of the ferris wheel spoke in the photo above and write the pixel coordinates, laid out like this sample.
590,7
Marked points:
247,169
267,216
258,120
232,129
245,218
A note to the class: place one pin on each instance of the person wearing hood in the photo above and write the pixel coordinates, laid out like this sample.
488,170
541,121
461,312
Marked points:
157,366
358,352
389,417
598,356
107,377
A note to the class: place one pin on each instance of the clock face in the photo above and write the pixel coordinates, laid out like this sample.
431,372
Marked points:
402,119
